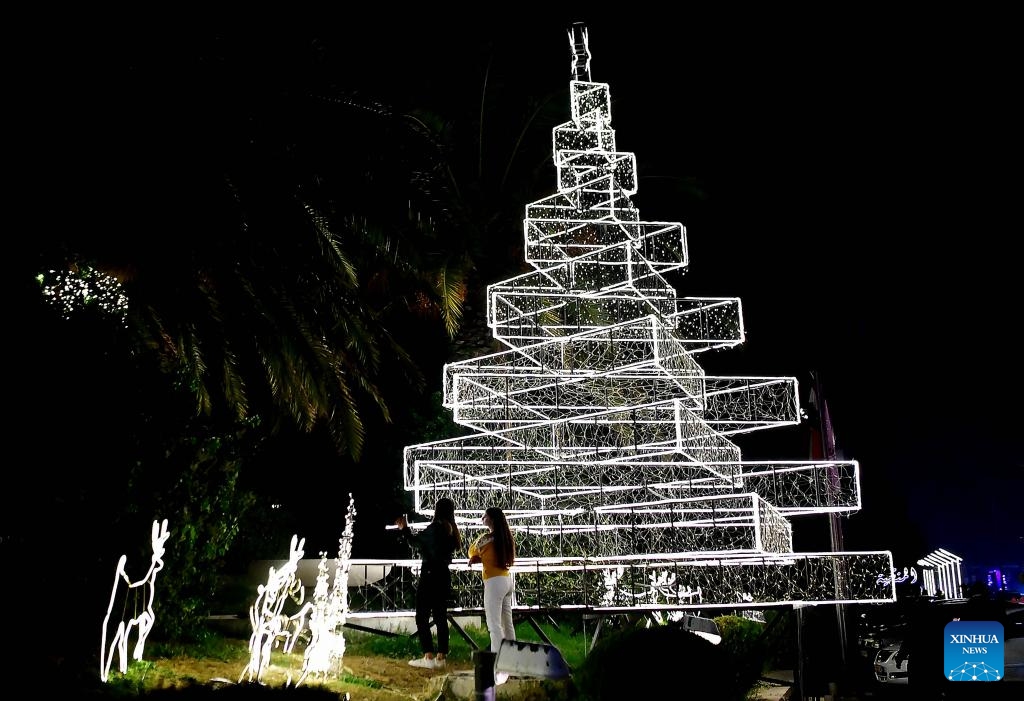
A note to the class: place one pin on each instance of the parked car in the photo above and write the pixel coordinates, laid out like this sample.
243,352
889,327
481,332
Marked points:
886,670
924,633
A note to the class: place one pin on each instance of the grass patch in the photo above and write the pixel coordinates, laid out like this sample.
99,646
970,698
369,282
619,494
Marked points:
407,646
361,681
564,635
213,647
570,642
371,644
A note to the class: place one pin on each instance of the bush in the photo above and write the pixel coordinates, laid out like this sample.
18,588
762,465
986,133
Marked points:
656,662
744,643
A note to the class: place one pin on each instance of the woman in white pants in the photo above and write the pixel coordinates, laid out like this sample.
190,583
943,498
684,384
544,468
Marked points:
496,551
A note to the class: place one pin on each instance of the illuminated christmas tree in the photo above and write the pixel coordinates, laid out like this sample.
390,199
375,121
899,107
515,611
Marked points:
600,435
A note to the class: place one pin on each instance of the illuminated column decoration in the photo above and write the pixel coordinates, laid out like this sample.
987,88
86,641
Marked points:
956,580
947,576
326,648
942,575
929,578
142,593
931,581
605,442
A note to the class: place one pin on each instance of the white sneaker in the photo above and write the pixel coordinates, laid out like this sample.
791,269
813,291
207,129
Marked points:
440,662
422,662
500,678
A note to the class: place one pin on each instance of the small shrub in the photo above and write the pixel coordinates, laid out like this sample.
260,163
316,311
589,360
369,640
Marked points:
744,642
641,663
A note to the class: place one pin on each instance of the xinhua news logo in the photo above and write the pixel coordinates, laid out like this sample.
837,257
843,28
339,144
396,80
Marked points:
973,651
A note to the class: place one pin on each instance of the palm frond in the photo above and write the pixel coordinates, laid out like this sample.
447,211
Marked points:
451,289
330,245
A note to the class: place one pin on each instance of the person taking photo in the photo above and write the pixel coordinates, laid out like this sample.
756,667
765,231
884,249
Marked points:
437,545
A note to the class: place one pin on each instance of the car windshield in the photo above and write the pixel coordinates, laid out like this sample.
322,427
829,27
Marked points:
885,654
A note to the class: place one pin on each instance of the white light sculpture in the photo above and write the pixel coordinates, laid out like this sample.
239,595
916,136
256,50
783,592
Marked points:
605,442
142,593
908,575
326,612
270,625
326,647
944,574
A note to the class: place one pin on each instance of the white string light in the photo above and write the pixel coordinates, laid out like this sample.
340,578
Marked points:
74,290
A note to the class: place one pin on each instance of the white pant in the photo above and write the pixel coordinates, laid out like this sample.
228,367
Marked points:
498,593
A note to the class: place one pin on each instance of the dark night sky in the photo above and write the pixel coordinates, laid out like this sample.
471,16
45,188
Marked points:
859,202
858,178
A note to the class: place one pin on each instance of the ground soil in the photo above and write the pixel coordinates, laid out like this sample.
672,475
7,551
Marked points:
365,678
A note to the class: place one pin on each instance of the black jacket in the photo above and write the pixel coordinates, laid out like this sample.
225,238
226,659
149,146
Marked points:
435,546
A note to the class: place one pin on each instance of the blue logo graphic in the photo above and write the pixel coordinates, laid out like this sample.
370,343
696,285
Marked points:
973,651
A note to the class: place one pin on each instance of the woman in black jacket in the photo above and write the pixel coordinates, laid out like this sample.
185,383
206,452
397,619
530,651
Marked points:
437,544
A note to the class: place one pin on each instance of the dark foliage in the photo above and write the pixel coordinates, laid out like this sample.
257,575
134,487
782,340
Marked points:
642,663
745,642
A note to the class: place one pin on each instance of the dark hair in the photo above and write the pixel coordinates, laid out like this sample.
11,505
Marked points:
504,543
444,512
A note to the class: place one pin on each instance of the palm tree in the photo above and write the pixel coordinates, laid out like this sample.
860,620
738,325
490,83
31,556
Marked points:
274,236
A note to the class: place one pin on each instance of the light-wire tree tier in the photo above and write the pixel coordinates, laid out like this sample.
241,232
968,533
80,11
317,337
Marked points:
704,581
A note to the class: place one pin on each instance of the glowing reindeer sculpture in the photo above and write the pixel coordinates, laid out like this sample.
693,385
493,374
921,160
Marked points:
269,624
144,591
326,612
